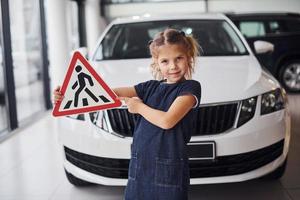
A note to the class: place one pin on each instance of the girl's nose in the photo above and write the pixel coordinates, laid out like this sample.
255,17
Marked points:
173,66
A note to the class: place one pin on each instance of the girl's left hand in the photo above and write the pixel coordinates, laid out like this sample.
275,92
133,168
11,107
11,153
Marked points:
132,104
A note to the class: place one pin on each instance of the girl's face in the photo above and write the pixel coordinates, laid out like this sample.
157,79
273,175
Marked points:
172,62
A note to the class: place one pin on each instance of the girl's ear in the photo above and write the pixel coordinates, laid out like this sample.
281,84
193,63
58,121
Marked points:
155,61
156,66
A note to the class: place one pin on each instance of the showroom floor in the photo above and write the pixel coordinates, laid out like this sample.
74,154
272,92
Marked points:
31,169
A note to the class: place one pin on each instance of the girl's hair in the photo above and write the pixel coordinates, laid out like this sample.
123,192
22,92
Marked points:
173,36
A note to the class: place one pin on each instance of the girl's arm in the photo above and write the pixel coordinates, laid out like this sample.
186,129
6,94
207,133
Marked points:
120,92
125,91
165,120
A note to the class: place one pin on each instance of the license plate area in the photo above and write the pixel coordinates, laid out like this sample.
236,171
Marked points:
202,150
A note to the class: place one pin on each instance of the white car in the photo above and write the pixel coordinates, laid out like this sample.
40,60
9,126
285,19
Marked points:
243,125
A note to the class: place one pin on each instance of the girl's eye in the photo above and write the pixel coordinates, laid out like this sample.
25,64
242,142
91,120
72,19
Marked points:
163,61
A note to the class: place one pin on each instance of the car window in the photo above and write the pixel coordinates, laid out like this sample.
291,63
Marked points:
276,27
252,28
126,41
292,25
234,43
110,42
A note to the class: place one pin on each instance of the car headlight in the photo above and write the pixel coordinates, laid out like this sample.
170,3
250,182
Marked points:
247,110
272,101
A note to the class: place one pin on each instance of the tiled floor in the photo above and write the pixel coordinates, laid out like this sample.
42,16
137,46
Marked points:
31,169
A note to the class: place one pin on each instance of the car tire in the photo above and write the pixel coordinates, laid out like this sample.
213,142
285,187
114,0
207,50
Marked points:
277,173
286,68
76,181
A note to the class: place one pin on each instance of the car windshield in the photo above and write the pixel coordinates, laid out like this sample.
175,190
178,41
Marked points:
128,41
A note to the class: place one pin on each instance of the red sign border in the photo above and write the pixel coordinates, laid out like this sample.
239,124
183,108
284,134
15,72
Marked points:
78,56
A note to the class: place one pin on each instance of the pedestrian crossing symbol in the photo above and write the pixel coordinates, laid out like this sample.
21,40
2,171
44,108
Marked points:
84,90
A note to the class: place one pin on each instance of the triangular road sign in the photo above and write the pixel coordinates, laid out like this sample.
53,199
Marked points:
84,90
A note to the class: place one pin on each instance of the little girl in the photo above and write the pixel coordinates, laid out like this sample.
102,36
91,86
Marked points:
158,168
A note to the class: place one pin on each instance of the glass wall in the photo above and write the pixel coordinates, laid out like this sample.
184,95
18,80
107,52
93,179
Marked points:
3,118
3,113
72,23
27,56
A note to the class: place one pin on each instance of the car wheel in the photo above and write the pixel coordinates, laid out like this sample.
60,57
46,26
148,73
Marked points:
76,181
277,173
289,76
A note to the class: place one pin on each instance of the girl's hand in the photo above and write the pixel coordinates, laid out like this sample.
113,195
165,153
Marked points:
133,104
57,95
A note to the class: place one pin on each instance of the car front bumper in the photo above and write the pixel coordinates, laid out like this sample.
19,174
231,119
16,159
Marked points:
250,151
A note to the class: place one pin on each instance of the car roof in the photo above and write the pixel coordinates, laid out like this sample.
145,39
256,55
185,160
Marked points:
262,14
148,17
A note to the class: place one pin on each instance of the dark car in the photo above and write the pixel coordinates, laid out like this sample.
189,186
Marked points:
283,31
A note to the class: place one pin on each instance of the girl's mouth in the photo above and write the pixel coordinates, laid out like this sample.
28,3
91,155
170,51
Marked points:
174,73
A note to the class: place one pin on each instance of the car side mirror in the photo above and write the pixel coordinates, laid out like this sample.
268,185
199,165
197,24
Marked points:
82,50
263,47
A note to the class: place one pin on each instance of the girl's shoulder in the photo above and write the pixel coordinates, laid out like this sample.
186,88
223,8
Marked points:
192,83
152,82
190,86
146,85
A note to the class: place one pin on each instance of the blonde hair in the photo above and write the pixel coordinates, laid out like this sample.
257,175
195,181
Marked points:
173,36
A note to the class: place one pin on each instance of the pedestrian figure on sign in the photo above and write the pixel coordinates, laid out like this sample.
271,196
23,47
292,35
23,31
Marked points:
82,85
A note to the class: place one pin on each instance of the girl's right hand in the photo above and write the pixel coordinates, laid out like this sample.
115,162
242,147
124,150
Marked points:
57,95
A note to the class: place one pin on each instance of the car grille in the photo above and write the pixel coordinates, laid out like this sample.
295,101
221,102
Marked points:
221,166
211,120
122,122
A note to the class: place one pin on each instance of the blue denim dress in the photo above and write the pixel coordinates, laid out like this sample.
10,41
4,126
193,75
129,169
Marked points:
158,168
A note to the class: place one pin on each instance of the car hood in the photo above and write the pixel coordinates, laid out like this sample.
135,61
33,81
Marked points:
222,78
